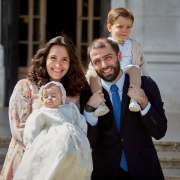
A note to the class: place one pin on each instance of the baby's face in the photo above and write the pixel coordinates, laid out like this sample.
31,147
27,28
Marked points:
52,97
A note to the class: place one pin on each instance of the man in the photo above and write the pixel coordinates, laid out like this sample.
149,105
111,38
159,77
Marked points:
121,141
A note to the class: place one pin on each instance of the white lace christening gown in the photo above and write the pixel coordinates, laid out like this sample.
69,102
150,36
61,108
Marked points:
57,146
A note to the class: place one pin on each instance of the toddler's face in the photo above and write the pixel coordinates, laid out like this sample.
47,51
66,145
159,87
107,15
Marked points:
121,29
52,97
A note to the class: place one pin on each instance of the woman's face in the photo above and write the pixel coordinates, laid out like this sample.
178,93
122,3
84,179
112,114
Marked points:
58,62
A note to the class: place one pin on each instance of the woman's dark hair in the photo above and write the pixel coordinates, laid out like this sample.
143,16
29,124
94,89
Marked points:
74,81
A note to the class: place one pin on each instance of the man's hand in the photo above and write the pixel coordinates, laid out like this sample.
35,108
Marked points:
139,95
96,99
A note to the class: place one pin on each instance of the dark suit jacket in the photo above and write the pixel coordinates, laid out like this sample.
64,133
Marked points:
135,137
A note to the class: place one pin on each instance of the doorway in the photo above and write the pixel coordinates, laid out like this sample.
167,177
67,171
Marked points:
61,19
41,20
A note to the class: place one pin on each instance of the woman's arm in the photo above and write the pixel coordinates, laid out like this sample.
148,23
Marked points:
20,106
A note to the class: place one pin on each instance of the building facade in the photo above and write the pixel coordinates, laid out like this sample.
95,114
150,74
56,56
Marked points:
27,24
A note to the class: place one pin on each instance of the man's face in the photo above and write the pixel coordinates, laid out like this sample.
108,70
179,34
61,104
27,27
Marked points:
106,63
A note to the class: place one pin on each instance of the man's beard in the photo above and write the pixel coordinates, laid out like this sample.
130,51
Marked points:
111,77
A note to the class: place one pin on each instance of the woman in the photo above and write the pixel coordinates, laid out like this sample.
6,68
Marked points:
56,61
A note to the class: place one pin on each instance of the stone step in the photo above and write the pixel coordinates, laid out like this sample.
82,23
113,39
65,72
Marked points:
169,160
167,146
171,174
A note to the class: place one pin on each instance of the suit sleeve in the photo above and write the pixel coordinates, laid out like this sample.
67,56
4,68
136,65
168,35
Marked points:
155,120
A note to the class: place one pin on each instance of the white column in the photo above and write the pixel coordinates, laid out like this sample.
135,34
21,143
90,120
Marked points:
118,3
137,8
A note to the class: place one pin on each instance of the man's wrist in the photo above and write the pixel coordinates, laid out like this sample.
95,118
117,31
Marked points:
146,109
89,108
144,104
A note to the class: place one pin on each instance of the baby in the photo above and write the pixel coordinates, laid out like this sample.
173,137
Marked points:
52,97
55,137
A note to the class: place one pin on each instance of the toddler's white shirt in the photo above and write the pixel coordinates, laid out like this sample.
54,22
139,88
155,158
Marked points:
126,53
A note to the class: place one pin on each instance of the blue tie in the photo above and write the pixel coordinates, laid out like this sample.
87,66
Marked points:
117,117
116,105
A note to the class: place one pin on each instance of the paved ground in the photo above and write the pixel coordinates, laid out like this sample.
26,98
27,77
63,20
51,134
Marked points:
173,132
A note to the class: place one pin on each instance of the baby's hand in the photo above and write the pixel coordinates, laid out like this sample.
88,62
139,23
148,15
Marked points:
96,99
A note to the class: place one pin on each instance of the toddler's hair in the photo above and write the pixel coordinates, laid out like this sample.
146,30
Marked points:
117,12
